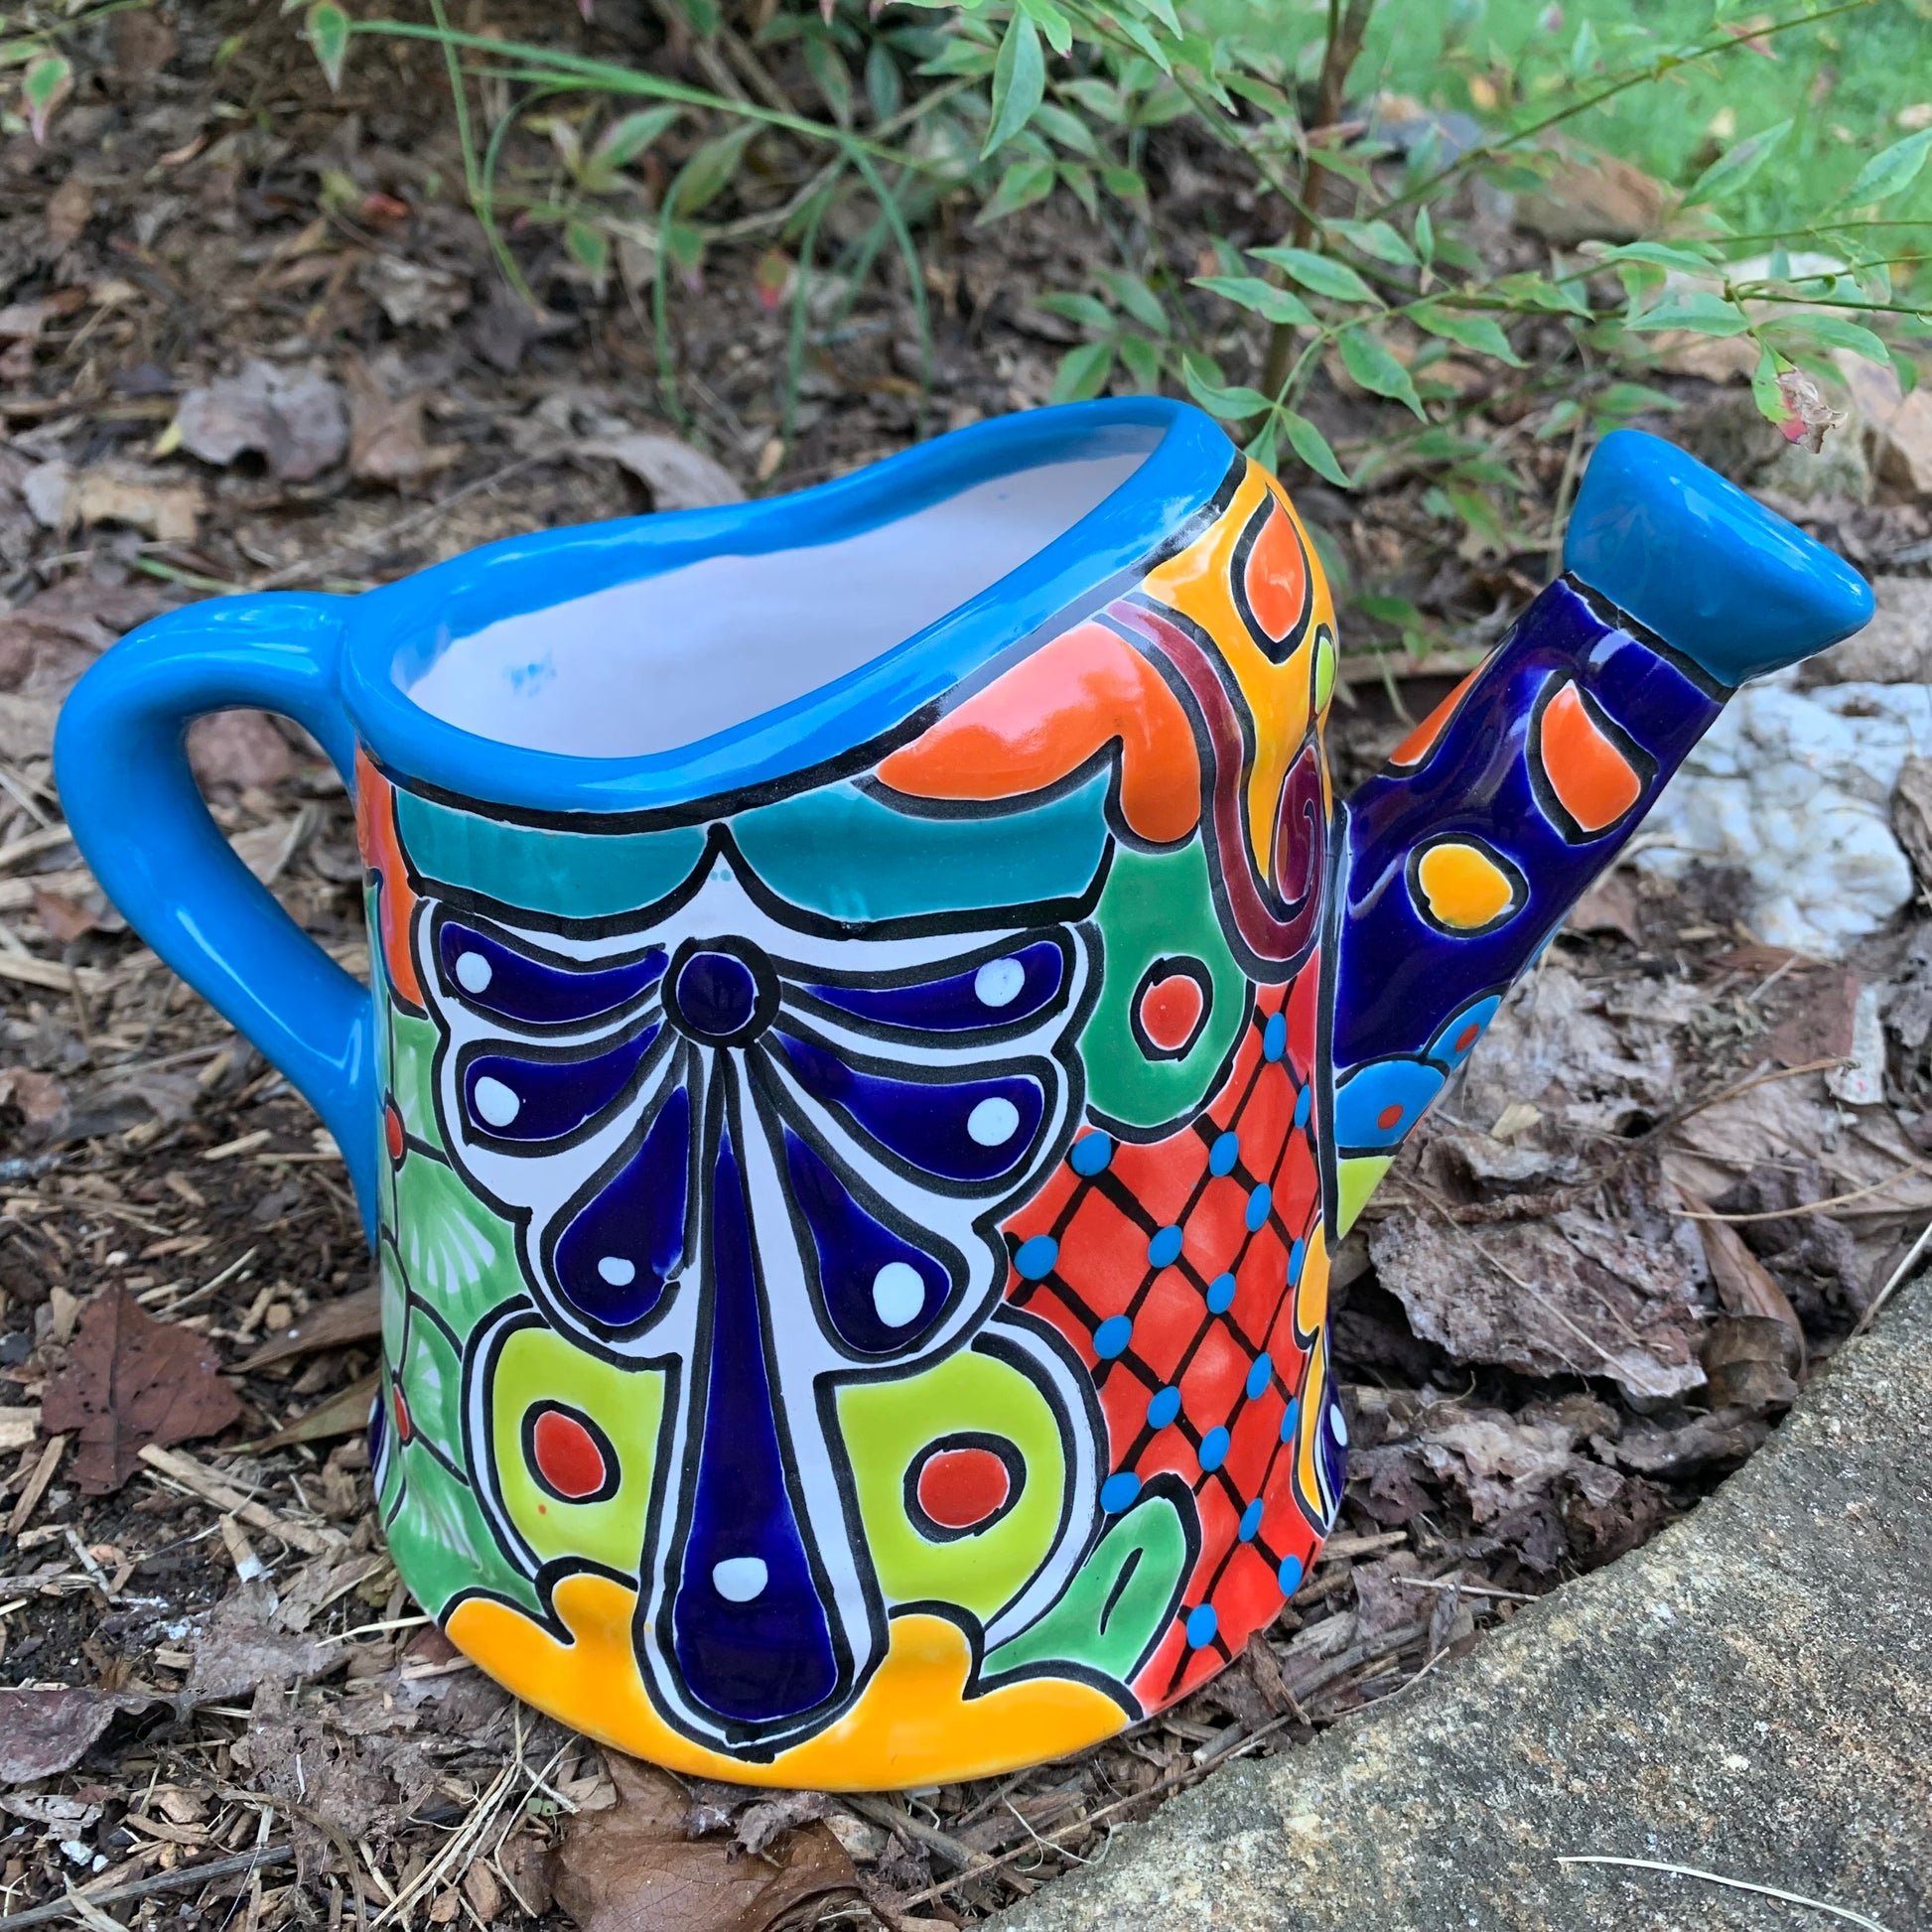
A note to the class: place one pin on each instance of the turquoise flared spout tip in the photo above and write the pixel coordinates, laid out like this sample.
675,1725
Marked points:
1714,574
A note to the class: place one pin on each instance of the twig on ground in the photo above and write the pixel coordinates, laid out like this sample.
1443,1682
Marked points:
1844,1913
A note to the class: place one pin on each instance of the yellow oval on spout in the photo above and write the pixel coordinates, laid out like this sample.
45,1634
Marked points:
1462,889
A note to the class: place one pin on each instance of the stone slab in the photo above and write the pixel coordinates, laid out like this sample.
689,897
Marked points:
1749,1694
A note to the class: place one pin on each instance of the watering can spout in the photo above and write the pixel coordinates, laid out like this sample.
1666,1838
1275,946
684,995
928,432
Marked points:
1461,858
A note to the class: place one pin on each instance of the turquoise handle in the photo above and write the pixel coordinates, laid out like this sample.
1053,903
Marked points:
120,758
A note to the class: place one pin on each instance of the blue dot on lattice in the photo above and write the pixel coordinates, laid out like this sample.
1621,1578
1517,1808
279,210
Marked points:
1164,1407
1201,1625
1225,1152
1090,1153
1112,1337
1164,1249
1260,1375
1213,1448
1036,1257
1118,1491
1220,1294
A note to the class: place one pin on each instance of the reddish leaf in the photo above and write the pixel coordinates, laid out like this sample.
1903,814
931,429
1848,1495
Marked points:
130,1381
632,1868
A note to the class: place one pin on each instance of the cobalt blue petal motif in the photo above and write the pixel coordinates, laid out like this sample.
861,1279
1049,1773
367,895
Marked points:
769,1158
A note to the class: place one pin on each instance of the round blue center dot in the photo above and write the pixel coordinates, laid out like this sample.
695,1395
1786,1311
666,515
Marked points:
1220,1294
1304,1105
1036,1257
1274,1038
716,993
1201,1625
1297,1255
1213,1448
1164,1249
1225,1152
1251,1521
1118,1491
1289,1576
1090,1153
1112,1337
1259,1202
1260,1375
1289,1417
1164,1407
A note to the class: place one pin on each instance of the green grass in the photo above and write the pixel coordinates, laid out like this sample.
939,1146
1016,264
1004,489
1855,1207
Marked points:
1842,81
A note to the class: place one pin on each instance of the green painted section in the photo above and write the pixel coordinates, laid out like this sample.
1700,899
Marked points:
411,1075
571,874
442,1544
886,1424
459,1256
432,1384
1090,1625
535,1365
840,852
1155,906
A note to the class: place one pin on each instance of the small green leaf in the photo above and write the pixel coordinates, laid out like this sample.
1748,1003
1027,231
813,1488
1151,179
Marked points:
1320,273
327,29
1066,130
1368,359
1085,311
1078,179
1425,238
1231,405
1051,22
1083,373
1732,169
1136,299
1483,334
708,172
1143,360
48,81
1312,447
1886,173
1827,331
588,246
1019,83
1124,184
1622,400
827,68
884,84
1906,371
1279,305
1376,239
1697,310
1765,391
1660,255
625,140
1561,418
1023,184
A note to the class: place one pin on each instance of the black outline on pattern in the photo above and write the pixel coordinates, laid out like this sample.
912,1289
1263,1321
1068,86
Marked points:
606,1448
765,980
1617,618
444,914
1513,877
1160,971
1643,766
1003,1449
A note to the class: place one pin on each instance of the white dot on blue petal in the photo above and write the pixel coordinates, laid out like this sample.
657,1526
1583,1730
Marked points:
1165,1248
1289,1576
1274,1038
1090,1153
496,1103
1118,1491
1303,1102
897,1294
998,981
1251,1521
1339,1426
992,1122
738,1579
1112,1337
1259,1202
1036,1257
1220,1294
1289,1417
1201,1625
1260,1375
1164,1407
619,1270
1215,1449
473,972
1225,1152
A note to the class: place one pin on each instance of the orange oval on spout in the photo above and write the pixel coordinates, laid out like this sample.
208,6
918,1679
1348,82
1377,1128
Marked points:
1590,774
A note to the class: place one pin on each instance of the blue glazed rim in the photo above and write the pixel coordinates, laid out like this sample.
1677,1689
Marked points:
397,631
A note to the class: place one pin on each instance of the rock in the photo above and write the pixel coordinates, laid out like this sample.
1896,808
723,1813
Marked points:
1895,647
1898,427
1795,787
1747,1694
1732,434
1911,816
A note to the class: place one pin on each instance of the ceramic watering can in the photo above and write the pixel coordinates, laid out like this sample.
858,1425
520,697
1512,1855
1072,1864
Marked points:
878,1022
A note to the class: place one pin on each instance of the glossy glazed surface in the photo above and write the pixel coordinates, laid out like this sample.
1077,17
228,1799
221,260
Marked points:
854,1244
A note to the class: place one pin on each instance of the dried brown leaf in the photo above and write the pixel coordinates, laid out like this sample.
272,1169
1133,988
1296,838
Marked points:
129,1381
346,1412
329,1325
631,1869
678,476
43,1733
385,432
238,748
293,418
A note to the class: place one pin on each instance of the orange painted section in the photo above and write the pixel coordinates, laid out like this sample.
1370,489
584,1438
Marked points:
1047,717
1590,776
1171,1009
1278,577
395,898
1422,740
1465,886
915,1723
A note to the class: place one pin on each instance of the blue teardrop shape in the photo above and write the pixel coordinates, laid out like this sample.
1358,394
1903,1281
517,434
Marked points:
995,994
495,979
519,1099
621,1247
